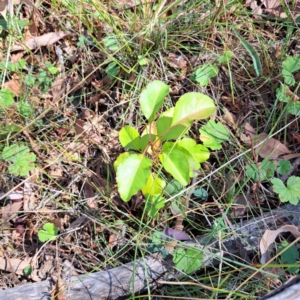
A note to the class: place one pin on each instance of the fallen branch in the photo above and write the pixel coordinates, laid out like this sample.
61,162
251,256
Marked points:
137,276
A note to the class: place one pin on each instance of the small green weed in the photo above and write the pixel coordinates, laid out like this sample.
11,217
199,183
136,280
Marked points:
20,158
48,232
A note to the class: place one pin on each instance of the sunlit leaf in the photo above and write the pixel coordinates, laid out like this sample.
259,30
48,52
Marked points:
187,261
129,138
199,152
176,163
192,106
132,175
152,98
48,232
154,185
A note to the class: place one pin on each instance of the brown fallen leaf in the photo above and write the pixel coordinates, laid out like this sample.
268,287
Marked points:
241,205
269,237
43,40
14,85
271,148
10,210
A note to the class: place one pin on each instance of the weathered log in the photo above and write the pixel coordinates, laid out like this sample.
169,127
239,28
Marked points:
137,276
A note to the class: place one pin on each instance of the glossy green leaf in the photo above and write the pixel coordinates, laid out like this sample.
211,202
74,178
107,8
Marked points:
213,135
132,175
205,73
284,166
154,204
187,261
192,106
120,158
129,138
154,186
290,192
152,98
176,163
199,152
48,232
166,132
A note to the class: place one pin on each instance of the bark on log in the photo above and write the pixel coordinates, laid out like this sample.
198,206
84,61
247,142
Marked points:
136,277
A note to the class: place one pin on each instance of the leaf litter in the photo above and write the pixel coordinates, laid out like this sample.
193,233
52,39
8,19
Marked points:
87,136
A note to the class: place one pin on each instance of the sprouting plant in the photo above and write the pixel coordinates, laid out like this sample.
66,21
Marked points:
205,73
21,159
163,142
48,232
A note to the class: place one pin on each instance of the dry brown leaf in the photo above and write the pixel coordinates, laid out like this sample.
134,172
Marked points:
241,205
229,118
43,40
271,148
58,88
269,238
10,210
275,7
13,85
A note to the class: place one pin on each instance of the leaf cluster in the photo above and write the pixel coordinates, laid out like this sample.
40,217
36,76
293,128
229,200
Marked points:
164,143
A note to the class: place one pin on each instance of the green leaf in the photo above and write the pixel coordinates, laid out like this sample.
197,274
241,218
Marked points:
146,139
27,270
154,186
289,193
252,52
294,108
112,70
111,42
213,135
289,256
225,58
120,158
281,94
11,128
192,106
152,98
289,66
175,162
187,261
205,73
173,187
132,175
199,152
284,167
201,193
167,132
154,204
263,171
6,97
48,232
21,157
129,138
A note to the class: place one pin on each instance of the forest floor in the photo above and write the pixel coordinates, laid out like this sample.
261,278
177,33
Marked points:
76,73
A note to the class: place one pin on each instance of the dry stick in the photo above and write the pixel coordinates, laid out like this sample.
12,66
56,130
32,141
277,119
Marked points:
117,282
